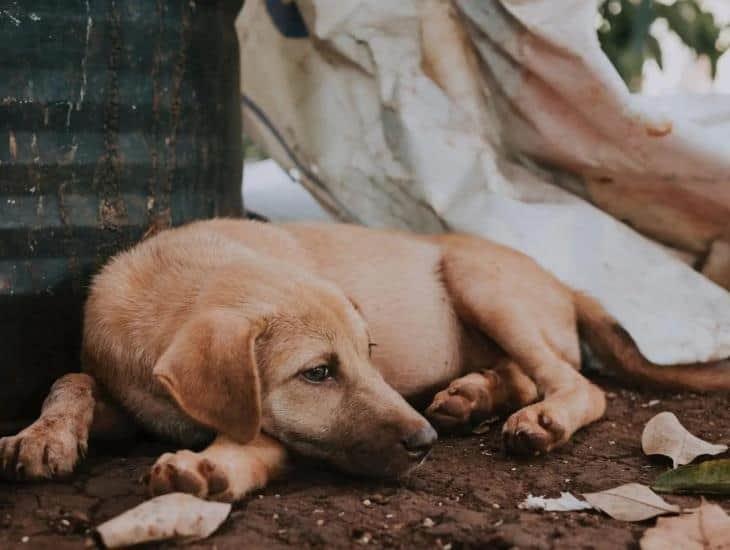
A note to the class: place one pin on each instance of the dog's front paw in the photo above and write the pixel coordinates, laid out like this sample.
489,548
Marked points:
466,400
41,451
533,430
188,472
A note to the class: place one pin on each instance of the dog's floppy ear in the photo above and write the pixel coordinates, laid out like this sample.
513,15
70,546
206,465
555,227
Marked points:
210,371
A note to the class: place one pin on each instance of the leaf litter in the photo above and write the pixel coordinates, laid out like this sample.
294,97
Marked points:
665,435
662,435
709,478
175,516
566,503
707,528
631,502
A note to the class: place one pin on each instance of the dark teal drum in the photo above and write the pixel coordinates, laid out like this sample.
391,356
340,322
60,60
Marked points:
117,119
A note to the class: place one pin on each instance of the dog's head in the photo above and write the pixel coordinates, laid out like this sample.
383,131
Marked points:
302,373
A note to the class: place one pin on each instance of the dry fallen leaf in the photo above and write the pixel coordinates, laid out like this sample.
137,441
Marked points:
664,435
566,503
710,477
631,502
174,516
706,529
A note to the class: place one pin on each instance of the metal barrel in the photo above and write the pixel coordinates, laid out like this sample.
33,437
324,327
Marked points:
117,119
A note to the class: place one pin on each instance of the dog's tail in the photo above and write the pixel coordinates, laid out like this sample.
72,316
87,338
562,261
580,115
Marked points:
615,349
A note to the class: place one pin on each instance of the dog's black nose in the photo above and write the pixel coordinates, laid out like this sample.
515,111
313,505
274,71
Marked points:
419,443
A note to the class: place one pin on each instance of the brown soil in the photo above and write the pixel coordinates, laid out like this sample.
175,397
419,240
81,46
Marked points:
465,496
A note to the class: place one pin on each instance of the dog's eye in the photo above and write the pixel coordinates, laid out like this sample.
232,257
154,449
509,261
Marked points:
317,374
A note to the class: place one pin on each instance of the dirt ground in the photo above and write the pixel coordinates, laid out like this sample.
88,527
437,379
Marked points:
465,496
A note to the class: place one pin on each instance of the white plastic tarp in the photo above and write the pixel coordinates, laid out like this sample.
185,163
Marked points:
503,118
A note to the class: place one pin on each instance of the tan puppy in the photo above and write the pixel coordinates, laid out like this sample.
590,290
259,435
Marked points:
308,337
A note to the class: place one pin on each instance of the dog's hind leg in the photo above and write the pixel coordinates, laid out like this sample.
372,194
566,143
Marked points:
532,317
53,444
479,395
225,470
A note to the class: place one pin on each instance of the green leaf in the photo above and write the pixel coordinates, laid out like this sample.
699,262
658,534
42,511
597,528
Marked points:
709,478
696,27
654,50
625,36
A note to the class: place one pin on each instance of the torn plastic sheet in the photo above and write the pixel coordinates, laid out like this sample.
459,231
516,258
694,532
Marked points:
504,119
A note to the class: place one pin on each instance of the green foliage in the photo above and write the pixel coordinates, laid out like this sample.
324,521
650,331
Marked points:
625,35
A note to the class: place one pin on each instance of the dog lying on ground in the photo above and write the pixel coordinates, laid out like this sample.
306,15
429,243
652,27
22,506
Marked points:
256,339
